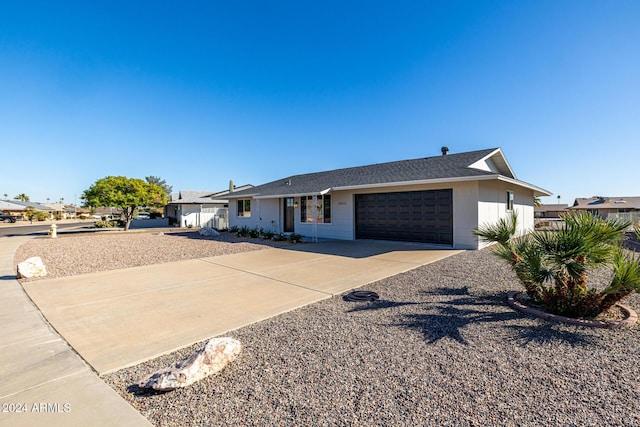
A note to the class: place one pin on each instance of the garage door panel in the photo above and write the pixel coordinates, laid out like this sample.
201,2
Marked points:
417,216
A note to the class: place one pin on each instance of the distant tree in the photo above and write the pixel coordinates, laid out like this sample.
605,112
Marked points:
62,200
5,196
30,212
22,197
127,194
537,202
160,183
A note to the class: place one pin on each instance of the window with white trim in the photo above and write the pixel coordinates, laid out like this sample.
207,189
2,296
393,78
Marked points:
244,208
322,209
509,201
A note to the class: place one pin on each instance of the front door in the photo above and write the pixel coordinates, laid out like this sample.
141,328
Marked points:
289,214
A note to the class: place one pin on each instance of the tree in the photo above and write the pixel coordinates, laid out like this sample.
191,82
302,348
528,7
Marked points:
537,202
127,194
22,197
160,183
553,265
5,196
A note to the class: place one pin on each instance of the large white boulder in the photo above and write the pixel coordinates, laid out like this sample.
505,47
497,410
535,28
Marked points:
31,267
208,360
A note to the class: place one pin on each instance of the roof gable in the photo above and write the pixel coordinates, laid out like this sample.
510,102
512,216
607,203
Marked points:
495,162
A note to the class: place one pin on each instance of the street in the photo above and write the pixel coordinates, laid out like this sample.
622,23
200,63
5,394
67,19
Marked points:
21,228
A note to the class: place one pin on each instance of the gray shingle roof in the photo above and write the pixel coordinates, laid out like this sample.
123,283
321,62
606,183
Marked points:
607,203
199,197
430,168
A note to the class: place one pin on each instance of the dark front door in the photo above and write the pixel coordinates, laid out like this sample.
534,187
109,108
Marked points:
289,213
414,216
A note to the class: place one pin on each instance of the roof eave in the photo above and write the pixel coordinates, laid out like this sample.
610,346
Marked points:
537,191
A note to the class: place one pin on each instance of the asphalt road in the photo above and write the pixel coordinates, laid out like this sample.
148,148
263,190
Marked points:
8,230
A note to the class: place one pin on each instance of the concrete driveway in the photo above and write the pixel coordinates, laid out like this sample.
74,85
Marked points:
120,318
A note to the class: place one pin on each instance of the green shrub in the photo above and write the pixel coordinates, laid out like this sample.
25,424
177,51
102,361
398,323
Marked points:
267,235
553,265
233,229
108,224
295,237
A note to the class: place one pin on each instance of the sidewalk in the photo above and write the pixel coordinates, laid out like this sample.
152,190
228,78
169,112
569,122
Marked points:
43,382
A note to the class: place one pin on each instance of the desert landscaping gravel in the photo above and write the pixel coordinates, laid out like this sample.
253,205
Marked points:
441,347
72,254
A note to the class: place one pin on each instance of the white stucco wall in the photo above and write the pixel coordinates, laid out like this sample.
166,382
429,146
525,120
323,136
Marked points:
265,213
492,205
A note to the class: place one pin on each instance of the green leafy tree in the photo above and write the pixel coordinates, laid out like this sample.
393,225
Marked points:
160,183
22,197
553,265
127,194
30,212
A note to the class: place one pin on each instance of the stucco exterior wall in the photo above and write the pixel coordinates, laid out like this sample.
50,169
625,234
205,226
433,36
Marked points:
265,213
492,205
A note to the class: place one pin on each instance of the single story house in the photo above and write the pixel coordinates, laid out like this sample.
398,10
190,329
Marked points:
18,208
188,208
438,199
552,211
605,207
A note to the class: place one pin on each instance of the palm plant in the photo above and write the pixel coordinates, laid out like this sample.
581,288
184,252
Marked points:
553,265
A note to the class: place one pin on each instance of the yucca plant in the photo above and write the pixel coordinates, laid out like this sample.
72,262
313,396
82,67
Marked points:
553,264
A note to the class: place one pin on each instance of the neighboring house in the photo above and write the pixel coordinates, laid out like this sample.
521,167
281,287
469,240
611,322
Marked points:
200,208
18,207
60,210
11,208
549,211
606,207
437,199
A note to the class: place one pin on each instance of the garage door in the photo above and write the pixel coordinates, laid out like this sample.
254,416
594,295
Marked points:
412,216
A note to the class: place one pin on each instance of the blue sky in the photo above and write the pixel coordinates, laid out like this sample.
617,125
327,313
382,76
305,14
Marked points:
202,92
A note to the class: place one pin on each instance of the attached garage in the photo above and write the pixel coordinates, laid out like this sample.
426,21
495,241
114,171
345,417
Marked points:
412,216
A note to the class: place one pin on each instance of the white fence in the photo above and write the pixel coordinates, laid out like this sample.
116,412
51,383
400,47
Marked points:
627,216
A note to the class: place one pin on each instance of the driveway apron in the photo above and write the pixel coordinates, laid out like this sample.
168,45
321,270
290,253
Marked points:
120,318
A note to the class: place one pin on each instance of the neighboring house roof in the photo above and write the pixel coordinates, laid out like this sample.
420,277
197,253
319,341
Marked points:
6,205
607,203
550,208
22,205
473,165
186,197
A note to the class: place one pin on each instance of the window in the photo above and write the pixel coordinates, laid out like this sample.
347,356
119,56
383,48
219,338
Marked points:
509,200
322,209
244,208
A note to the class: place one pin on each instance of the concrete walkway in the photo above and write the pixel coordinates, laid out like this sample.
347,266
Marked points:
121,318
43,382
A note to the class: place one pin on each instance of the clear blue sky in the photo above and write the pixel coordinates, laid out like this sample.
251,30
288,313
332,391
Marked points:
202,92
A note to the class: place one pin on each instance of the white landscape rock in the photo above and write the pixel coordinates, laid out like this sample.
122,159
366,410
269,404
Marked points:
208,360
208,232
31,267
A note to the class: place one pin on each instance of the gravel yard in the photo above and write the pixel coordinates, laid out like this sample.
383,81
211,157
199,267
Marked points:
72,254
441,347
